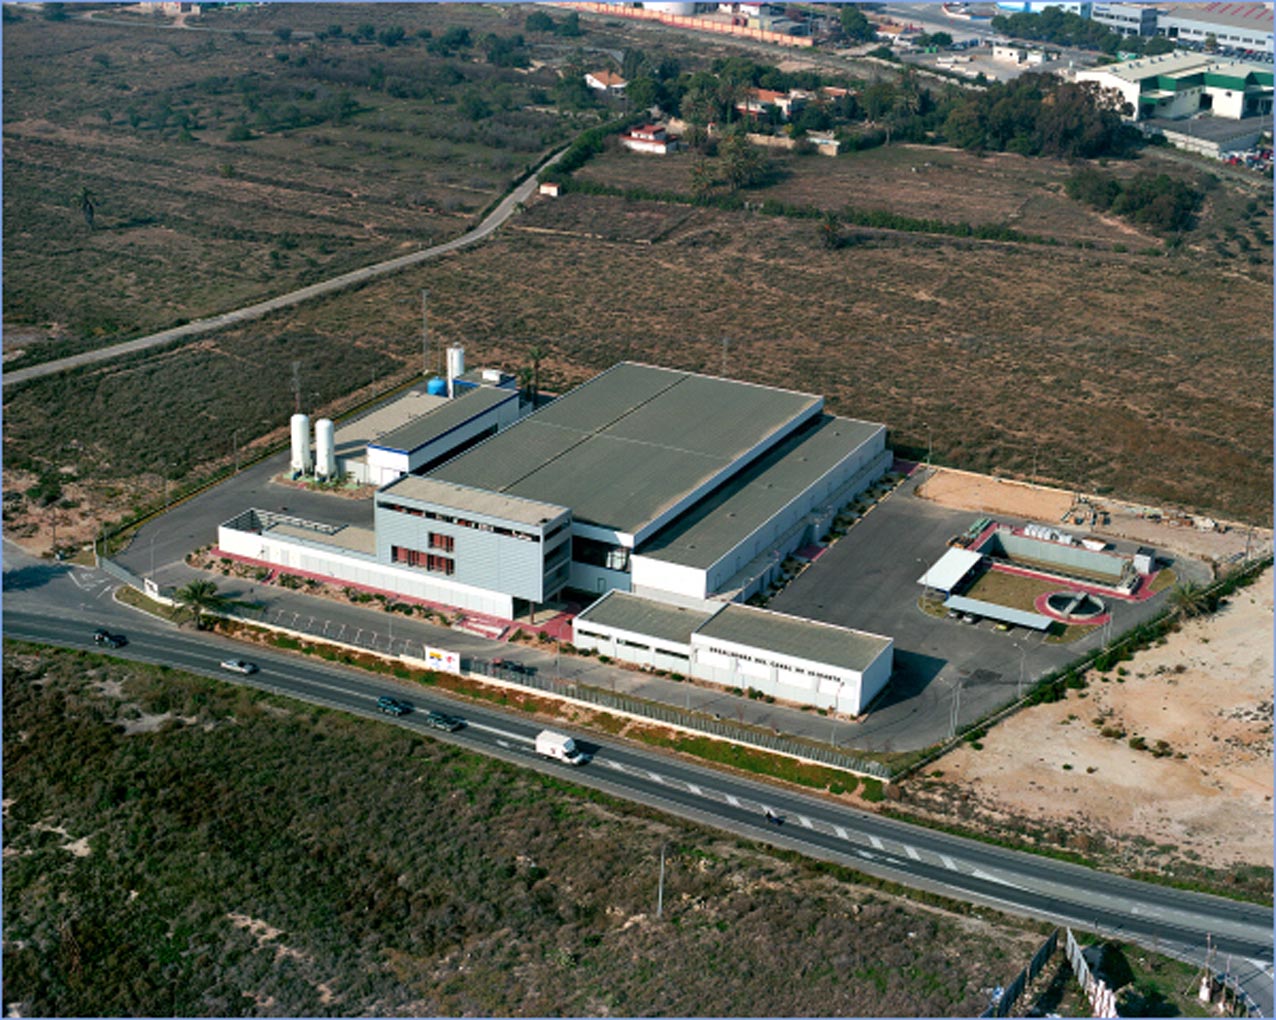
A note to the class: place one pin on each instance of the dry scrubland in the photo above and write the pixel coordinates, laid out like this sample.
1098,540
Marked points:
170,851
193,220
1129,370
1195,789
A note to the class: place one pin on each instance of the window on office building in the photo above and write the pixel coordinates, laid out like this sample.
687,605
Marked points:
446,543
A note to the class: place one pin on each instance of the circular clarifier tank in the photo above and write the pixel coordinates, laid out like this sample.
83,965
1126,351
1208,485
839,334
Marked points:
1074,605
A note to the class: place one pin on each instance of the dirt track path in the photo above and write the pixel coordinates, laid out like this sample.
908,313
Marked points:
494,219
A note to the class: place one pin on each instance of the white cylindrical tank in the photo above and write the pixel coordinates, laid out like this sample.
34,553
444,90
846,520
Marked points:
671,8
301,462
455,367
325,449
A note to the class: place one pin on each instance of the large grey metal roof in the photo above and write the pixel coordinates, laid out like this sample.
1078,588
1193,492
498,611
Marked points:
352,436
711,529
660,620
790,635
995,612
623,448
442,419
479,501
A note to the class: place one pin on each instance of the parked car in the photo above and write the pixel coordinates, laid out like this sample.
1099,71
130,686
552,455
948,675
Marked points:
971,618
514,666
109,640
238,666
393,706
443,721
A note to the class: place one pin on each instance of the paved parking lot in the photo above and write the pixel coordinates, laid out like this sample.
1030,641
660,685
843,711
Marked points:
943,667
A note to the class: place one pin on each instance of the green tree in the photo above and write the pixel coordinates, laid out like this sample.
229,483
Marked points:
283,33
830,232
634,63
539,21
536,353
1157,45
643,93
365,32
1188,600
855,25
701,177
743,163
203,598
87,204
391,36
1211,42
570,26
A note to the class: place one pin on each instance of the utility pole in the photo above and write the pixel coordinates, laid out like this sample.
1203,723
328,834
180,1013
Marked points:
425,334
660,888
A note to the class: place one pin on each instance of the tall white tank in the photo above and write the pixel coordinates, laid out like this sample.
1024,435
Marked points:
325,449
455,367
301,462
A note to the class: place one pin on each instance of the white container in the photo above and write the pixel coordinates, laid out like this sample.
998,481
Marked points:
325,449
301,463
455,368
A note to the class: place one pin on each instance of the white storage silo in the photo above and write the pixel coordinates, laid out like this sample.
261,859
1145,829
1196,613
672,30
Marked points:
455,367
325,449
301,462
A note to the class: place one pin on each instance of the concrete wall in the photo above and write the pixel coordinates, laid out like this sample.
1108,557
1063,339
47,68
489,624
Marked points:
354,568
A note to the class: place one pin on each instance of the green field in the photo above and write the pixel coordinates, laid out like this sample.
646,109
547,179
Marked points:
172,850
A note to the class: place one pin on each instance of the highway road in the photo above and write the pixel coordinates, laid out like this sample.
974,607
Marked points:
1167,920
494,219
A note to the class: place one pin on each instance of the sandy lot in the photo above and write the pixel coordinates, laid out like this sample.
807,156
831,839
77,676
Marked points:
964,490
1207,693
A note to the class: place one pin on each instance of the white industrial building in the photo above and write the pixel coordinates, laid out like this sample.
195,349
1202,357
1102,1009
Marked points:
1178,85
740,646
681,488
1234,26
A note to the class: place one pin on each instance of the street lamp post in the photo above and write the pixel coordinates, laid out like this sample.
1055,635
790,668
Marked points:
660,887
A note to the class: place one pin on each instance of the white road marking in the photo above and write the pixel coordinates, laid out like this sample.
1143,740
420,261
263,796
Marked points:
948,862
695,789
912,853
484,728
504,743
841,833
731,800
613,765
983,875
806,822
877,843
655,777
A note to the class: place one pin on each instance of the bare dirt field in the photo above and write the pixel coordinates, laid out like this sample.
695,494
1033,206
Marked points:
924,181
963,490
1203,795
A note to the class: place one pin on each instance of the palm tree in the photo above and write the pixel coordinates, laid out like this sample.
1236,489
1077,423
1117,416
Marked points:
86,200
202,597
536,353
525,381
1189,600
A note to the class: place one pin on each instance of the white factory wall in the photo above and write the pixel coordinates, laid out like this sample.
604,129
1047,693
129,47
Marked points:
315,558
791,679
657,578
801,681
629,646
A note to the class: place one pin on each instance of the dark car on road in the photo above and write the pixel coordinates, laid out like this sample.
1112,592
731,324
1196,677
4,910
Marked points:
109,640
393,706
443,721
514,666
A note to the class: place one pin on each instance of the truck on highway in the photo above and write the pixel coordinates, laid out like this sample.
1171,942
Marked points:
560,747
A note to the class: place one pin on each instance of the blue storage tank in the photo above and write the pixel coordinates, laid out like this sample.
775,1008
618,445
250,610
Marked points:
436,387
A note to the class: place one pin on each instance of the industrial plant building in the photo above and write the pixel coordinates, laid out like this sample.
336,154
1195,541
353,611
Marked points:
743,647
677,487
